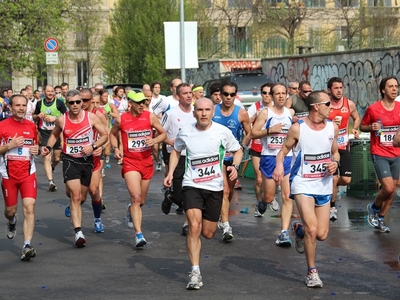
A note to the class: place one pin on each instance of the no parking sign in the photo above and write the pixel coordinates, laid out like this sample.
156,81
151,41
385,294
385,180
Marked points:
51,44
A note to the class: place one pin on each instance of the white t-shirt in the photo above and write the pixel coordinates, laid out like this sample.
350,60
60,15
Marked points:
173,120
154,101
164,105
205,150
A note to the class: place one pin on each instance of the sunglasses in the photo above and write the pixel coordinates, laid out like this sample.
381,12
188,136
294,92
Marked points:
86,100
293,88
74,102
328,103
265,93
306,92
227,94
140,102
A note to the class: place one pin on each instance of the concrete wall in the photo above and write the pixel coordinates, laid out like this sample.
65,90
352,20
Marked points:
361,71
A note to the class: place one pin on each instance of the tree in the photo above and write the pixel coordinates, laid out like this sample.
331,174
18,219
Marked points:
134,49
86,20
24,30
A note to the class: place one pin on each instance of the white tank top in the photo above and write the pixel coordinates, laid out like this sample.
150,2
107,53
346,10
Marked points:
310,156
273,143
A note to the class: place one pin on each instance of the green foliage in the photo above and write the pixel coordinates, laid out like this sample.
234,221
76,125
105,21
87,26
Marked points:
25,24
134,50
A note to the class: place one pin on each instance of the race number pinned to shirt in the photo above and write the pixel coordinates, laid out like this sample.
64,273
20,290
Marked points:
20,153
276,140
206,169
314,165
137,140
48,125
343,138
75,146
387,135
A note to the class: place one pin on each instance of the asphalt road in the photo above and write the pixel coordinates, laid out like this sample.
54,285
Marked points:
355,262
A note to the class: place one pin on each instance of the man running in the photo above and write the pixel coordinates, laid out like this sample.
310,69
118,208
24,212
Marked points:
205,142
136,128
78,129
19,144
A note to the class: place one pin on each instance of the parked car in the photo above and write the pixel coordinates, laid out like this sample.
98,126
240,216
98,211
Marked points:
248,81
137,87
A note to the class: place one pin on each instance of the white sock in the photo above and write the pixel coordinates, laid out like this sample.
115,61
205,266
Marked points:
225,224
27,243
196,268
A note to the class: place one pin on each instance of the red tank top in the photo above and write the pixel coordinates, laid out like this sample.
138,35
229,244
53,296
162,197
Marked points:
135,130
256,143
94,111
76,135
344,113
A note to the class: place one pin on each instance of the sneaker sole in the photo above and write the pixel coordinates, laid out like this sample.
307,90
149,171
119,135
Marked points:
227,238
99,231
80,243
28,255
166,205
284,243
316,286
194,286
52,188
141,244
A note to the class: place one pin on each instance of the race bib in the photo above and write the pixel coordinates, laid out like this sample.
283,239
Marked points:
276,140
343,138
387,135
48,125
20,153
137,140
314,165
74,147
206,169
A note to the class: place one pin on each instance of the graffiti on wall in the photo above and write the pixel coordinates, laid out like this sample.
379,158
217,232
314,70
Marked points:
361,77
213,69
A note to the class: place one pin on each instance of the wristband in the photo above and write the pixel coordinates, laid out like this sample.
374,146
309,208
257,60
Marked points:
49,148
94,146
236,167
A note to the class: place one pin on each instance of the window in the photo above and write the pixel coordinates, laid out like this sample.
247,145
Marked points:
82,74
315,3
81,39
379,3
240,3
343,33
346,3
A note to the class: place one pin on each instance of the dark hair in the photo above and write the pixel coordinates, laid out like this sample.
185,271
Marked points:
268,84
154,83
22,90
103,91
333,80
10,101
274,85
382,85
87,90
64,84
304,82
215,87
228,83
181,85
58,87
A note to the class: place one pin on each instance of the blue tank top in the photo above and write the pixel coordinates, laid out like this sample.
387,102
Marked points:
231,122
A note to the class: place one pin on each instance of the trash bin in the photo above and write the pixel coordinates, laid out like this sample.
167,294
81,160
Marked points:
363,180
249,172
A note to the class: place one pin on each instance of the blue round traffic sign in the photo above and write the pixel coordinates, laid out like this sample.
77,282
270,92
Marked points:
51,44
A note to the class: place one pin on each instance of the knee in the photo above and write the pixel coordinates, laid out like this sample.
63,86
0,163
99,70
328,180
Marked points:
195,229
208,234
311,232
323,235
346,180
136,199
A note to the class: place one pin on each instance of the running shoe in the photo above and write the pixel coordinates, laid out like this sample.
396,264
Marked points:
372,216
129,221
382,226
227,235
185,230
257,212
28,252
283,239
98,226
220,224
274,205
237,185
333,214
107,160
52,186
103,173
167,202
80,240
195,282
163,189
11,229
158,167
262,207
67,211
313,280
120,162
103,205
298,240
140,240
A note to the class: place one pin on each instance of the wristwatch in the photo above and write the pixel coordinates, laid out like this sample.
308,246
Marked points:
236,167
94,146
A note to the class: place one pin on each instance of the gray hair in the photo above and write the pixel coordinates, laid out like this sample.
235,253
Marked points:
73,93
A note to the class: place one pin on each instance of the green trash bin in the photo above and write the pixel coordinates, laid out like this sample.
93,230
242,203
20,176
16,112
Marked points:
363,180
